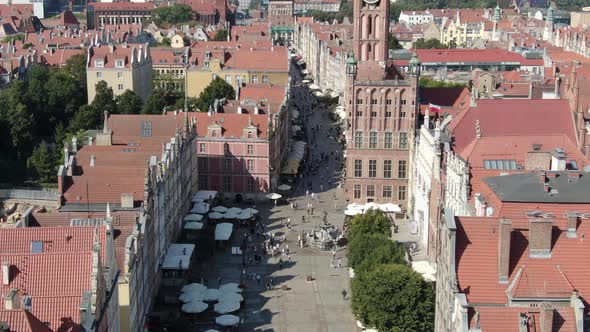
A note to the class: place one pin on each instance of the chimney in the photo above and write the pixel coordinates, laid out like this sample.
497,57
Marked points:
546,317
504,234
127,201
74,144
543,178
5,273
239,109
572,225
89,140
540,231
66,153
256,110
11,301
105,124
92,160
558,159
556,88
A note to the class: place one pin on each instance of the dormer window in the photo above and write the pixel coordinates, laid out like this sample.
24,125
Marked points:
249,134
120,63
99,63
213,133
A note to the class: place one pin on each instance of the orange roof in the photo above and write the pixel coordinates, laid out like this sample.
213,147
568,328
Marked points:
232,124
274,59
22,321
123,5
502,319
275,94
109,57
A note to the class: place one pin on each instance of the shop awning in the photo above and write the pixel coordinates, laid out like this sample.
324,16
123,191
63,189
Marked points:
178,256
223,231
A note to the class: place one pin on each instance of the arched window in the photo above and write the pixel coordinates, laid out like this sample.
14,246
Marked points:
249,134
214,133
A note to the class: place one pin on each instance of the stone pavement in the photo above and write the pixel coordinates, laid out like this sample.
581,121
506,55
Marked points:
302,305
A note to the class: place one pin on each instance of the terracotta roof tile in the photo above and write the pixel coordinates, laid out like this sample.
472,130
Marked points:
22,321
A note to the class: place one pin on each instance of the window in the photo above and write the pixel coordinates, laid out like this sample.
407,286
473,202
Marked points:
402,113
372,140
120,87
119,63
387,114
403,101
500,164
373,101
249,134
358,168
358,140
403,141
250,149
254,79
202,148
401,170
264,78
373,114
227,164
251,185
359,113
388,102
99,63
387,192
387,169
370,190
357,191
98,74
388,141
226,148
203,165
228,79
146,129
372,168
359,101
203,181
250,164
213,133
227,183
119,75
401,193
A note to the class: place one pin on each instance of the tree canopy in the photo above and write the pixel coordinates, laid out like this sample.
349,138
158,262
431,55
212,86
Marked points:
369,250
32,110
427,82
220,35
129,103
254,4
217,89
370,222
422,43
392,297
394,43
174,14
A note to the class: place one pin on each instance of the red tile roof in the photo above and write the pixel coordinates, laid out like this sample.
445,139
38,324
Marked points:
437,56
232,124
275,94
512,117
274,59
123,5
22,321
55,281
502,319
109,57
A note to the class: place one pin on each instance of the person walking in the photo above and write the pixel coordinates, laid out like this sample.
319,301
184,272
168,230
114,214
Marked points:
258,279
344,295
218,281
339,262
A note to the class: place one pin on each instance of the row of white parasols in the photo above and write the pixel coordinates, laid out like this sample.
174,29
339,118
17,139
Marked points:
195,297
221,212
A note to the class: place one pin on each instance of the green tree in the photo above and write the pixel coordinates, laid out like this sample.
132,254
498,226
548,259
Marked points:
254,4
220,35
427,82
215,90
128,103
154,105
87,117
369,250
21,122
42,163
370,222
104,99
421,43
392,297
174,14
394,43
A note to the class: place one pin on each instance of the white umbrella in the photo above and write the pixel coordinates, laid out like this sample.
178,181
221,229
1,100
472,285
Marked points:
230,215
231,287
234,210
390,207
227,320
211,294
215,215
200,208
212,330
194,287
355,206
191,296
193,217
228,297
371,205
244,216
194,307
296,127
273,196
353,212
284,187
197,200
219,208
226,307
193,225
250,210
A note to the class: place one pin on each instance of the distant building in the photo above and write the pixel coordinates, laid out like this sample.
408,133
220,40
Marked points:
99,14
301,7
281,19
381,104
124,67
415,17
